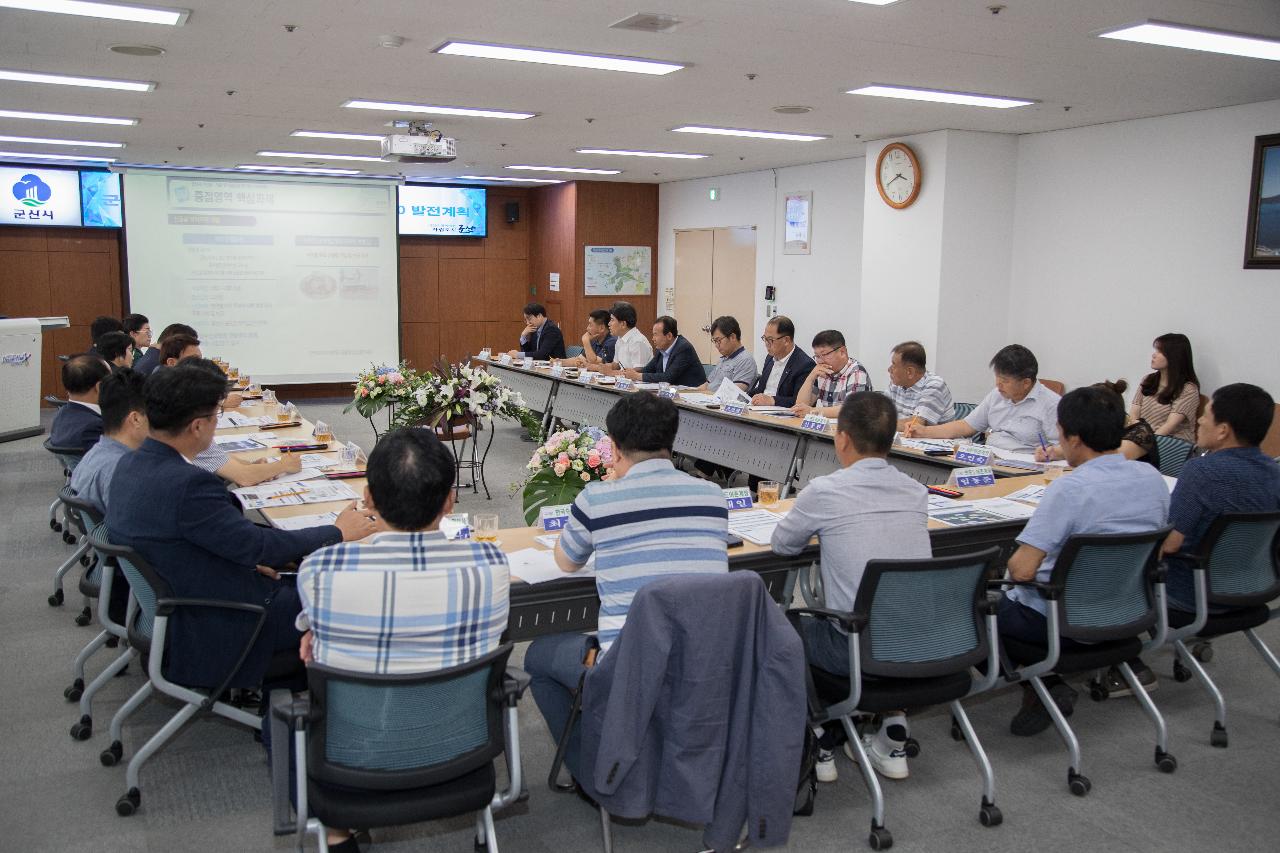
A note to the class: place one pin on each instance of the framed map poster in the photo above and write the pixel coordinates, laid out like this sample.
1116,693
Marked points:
618,271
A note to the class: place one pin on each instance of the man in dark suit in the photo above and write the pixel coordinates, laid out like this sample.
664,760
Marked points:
674,359
541,338
785,368
79,423
99,327
150,359
183,521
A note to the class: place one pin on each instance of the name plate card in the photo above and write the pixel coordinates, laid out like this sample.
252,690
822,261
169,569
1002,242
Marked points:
668,393
554,517
456,526
739,498
505,359
557,371
734,408
973,454
815,422
981,475
587,376
527,364
485,354
624,384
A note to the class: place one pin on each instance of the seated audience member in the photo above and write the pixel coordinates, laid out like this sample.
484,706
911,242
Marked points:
649,521
834,377
631,349
138,328
237,471
541,338
116,349
1169,397
1106,493
786,367
99,327
190,529
597,343
736,364
124,428
175,348
150,359
430,623
674,361
867,510
1139,440
79,423
1018,415
914,390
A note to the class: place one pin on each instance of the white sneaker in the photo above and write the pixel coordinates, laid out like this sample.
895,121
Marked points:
891,766
825,769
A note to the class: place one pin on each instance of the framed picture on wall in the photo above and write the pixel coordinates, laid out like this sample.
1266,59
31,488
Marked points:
797,223
1262,240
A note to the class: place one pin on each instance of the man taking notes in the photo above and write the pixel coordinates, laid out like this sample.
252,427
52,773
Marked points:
736,364
1019,414
541,339
834,377
786,367
674,361
915,391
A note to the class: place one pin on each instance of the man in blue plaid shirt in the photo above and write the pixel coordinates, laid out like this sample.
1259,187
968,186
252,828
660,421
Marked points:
404,599
835,375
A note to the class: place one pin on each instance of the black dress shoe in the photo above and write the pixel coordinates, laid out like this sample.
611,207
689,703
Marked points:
348,846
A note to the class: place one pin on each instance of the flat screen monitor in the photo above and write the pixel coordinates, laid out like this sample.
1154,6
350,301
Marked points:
100,200
33,195
442,211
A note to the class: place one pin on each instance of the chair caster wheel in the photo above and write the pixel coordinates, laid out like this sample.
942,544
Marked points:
1180,672
128,804
1166,762
1098,691
84,617
989,815
84,560
880,838
957,734
1079,785
1219,736
1203,651
75,691
56,599
110,756
68,537
82,730
911,747
55,526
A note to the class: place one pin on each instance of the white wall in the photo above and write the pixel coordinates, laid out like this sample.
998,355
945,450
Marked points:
818,291
1125,231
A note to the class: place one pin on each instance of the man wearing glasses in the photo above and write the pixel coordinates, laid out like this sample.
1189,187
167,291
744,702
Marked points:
736,364
785,368
834,377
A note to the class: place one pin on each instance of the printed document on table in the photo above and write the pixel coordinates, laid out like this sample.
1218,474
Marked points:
304,474
533,566
699,399
1004,507
754,525
237,443
293,494
940,502
319,460
730,393
302,522
961,514
924,443
1027,494
770,410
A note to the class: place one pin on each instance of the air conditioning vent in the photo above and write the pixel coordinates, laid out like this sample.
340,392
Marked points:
648,22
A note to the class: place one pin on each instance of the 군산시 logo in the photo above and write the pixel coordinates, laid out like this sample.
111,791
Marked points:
31,191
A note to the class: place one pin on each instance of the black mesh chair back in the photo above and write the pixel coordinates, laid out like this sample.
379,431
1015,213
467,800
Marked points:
1105,584
69,456
147,586
1174,453
924,618
1239,553
84,517
397,732
963,410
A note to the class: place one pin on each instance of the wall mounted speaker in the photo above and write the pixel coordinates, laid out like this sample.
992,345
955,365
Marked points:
513,212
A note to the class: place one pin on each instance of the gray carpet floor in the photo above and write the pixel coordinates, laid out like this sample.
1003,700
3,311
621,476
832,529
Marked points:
208,789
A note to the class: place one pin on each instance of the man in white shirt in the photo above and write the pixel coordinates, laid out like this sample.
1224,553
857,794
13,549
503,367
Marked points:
632,350
1020,414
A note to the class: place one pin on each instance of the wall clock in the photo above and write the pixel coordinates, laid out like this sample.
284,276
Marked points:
898,175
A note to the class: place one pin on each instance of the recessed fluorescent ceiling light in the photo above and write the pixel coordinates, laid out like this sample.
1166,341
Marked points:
300,170
1196,38
753,134
113,11
330,134
32,155
37,140
507,180
394,107
558,57
567,169
963,98
876,2
69,118
618,153
314,155
64,80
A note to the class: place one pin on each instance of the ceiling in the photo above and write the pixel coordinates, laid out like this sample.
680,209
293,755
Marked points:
234,81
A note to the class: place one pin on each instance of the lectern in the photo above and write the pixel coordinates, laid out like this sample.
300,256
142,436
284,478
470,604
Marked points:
20,374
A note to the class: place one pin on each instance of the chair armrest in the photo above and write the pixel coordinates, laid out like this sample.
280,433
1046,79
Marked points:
1049,591
852,624
166,606
990,607
514,683
295,710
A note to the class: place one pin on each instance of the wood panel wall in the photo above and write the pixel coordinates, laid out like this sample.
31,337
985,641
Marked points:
48,272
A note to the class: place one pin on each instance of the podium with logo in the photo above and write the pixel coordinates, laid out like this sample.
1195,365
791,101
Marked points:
20,374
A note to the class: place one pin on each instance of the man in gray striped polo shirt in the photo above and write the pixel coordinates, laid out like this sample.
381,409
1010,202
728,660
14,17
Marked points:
648,521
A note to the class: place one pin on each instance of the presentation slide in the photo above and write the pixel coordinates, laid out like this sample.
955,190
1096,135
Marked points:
442,211
34,196
289,280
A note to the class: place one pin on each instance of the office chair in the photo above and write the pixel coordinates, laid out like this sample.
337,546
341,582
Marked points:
68,457
1174,453
72,532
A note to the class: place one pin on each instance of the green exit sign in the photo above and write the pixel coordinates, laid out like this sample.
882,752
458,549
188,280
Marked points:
714,193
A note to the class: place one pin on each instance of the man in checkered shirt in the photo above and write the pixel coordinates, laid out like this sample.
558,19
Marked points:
835,375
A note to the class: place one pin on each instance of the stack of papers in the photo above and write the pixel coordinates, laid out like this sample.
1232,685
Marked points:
698,399
533,566
302,522
294,494
754,525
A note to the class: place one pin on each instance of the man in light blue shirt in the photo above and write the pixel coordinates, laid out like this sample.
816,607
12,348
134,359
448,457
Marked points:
736,364
124,425
1106,493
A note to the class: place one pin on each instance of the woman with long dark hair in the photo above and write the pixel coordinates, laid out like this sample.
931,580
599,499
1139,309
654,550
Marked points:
1168,397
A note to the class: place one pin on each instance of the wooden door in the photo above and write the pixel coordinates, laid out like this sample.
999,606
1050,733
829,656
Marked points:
733,280
693,280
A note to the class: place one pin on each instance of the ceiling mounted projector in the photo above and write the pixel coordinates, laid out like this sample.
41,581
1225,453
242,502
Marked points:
421,144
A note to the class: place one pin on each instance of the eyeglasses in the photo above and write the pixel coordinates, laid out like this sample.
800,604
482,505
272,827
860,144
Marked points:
769,340
817,354
716,341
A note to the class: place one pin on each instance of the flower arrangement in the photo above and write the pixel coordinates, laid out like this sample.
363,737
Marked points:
563,465
381,387
454,391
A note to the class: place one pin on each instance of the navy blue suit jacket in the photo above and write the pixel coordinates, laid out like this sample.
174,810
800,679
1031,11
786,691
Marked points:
150,361
75,426
190,529
683,366
547,342
798,368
